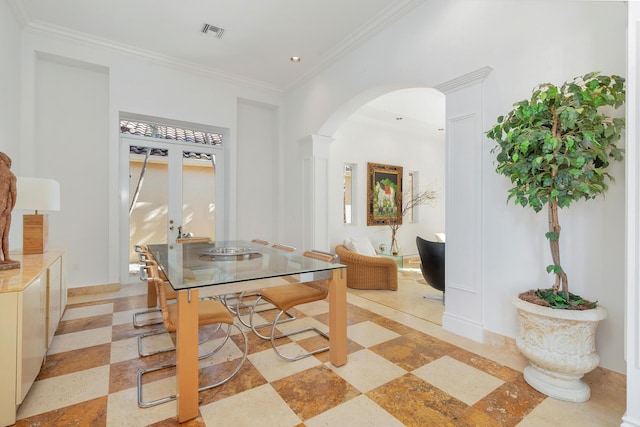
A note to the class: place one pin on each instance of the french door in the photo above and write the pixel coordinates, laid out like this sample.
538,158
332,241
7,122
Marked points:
173,191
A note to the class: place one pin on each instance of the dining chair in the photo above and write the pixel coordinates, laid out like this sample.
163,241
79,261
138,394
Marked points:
245,309
284,298
152,297
210,312
234,302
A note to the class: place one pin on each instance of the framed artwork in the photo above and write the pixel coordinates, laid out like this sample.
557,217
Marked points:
384,194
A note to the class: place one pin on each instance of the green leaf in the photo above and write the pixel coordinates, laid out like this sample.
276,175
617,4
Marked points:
553,236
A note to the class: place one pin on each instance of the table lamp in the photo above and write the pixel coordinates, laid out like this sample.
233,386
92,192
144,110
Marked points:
36,194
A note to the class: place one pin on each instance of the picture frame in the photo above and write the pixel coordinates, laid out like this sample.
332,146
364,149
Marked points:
384,194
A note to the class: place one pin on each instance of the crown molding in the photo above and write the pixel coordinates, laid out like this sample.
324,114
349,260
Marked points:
464,80
19,12
48,30
382,20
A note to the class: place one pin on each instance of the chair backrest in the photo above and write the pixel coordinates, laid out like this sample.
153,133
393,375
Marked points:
261,242
284,247
432,262
321,255
152,273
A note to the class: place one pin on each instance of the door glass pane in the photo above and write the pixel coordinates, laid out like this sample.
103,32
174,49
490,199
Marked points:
198,195
348,193
409,194
148,180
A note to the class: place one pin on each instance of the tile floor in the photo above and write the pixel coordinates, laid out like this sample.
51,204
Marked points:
403,369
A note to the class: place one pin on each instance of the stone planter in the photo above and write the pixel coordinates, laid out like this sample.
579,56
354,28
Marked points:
560,347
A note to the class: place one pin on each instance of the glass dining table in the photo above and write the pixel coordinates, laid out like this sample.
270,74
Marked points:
228,267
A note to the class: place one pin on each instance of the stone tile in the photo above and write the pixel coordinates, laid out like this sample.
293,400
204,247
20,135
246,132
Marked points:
358,371
314,391
124,375
75,361
424,405
314,308
511,402
357,412
246,379
130,303
87,311
486,365
80,339
124,331
412,350
123,410
89,413
266,408
369,334
273,368
65,390
460,380
173,421
84,324
352,347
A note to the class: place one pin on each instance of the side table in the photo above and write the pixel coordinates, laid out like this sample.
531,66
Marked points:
403,260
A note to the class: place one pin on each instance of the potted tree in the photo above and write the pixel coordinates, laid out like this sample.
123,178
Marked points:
555,148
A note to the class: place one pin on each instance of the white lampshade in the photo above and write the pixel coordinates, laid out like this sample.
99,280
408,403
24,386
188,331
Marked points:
37,194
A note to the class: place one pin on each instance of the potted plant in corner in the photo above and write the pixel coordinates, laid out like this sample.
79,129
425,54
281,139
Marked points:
555,148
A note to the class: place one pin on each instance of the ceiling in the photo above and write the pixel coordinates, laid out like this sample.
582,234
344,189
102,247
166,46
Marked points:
258,40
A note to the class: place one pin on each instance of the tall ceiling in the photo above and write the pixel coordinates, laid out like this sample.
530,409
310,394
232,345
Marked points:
259,38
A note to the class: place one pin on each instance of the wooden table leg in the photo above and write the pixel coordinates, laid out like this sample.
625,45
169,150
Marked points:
187,355
338,317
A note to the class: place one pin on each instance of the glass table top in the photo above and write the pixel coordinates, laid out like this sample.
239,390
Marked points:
199,264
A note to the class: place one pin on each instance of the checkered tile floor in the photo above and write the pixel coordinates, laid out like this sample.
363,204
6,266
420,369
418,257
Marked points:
397,374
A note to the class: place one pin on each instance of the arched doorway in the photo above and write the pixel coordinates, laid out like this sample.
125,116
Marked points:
464,314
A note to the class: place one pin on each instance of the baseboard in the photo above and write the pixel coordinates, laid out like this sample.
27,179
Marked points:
628,422
93,290
462,327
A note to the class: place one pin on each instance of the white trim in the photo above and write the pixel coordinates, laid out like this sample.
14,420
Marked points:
632,313
465,80
463,327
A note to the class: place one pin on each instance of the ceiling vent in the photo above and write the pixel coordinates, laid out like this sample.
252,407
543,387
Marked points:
213,29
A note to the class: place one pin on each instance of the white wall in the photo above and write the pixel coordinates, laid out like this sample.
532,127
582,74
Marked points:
9,83
87,166
632,415
71,142
441,40
257,159
362,139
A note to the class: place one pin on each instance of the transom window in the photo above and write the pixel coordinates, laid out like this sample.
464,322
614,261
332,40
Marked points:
153,130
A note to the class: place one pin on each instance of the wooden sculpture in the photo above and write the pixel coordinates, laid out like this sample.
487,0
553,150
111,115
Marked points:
8,195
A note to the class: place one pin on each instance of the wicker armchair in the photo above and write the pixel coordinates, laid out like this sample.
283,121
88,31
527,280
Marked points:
368,272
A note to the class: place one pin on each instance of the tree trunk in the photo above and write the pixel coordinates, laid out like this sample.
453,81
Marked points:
554,223
554,244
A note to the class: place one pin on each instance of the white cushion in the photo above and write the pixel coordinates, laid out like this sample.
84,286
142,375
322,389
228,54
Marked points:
440,237
361,245
347,244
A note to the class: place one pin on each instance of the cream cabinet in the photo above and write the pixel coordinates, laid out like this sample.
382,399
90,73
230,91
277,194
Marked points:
54,298
32,301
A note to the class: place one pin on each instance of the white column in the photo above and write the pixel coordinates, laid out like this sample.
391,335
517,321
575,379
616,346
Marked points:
314,151
632,338
463,313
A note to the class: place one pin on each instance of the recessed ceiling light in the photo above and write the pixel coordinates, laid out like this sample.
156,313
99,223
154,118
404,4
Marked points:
295,59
